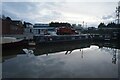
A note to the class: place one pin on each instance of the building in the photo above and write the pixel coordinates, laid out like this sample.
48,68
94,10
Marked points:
12,27
42,29
37,25
91,28
77,27
28,28
74,25
0,27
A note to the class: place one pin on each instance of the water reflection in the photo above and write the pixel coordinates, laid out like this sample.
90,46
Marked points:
29,52
69,60
68,52
68,48
81,53
94,47
114,58
113,52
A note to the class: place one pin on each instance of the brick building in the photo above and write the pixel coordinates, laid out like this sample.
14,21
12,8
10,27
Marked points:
12,27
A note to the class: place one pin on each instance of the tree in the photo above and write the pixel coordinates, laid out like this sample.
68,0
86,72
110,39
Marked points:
111,25
101,25
57,24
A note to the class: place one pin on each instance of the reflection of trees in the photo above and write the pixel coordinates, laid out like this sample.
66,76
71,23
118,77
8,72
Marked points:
108,44
68,52
113,52
110,47
114,56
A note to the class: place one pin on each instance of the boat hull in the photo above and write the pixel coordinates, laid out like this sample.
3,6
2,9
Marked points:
22,43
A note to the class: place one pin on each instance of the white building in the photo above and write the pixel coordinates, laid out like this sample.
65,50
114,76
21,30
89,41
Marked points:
28,30
42,29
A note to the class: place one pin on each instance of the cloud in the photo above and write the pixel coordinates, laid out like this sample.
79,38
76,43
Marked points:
108,17
60,0
31,11
33,0
73,12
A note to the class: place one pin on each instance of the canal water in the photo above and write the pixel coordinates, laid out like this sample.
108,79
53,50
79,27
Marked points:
73,60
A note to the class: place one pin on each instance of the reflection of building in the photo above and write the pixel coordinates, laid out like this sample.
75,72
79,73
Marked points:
42,29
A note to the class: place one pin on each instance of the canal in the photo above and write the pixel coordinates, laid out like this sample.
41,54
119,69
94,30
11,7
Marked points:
73,60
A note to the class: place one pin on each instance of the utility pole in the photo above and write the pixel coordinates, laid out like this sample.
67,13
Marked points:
118,13
86,25
83,24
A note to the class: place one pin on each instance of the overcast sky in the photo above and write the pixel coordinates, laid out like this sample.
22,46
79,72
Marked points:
91,13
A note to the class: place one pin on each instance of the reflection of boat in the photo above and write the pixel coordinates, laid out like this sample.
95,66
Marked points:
28,51
31,44
10,42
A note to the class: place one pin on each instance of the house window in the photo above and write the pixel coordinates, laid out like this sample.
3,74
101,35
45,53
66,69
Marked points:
38,31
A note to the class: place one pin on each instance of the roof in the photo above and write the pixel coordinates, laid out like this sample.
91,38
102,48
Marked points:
44,28
28,23
37,24
16,21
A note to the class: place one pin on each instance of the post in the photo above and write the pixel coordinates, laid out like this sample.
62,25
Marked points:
83,24
118,13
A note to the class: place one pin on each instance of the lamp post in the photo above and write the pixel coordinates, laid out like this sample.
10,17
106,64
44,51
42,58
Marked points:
83,24
118,13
